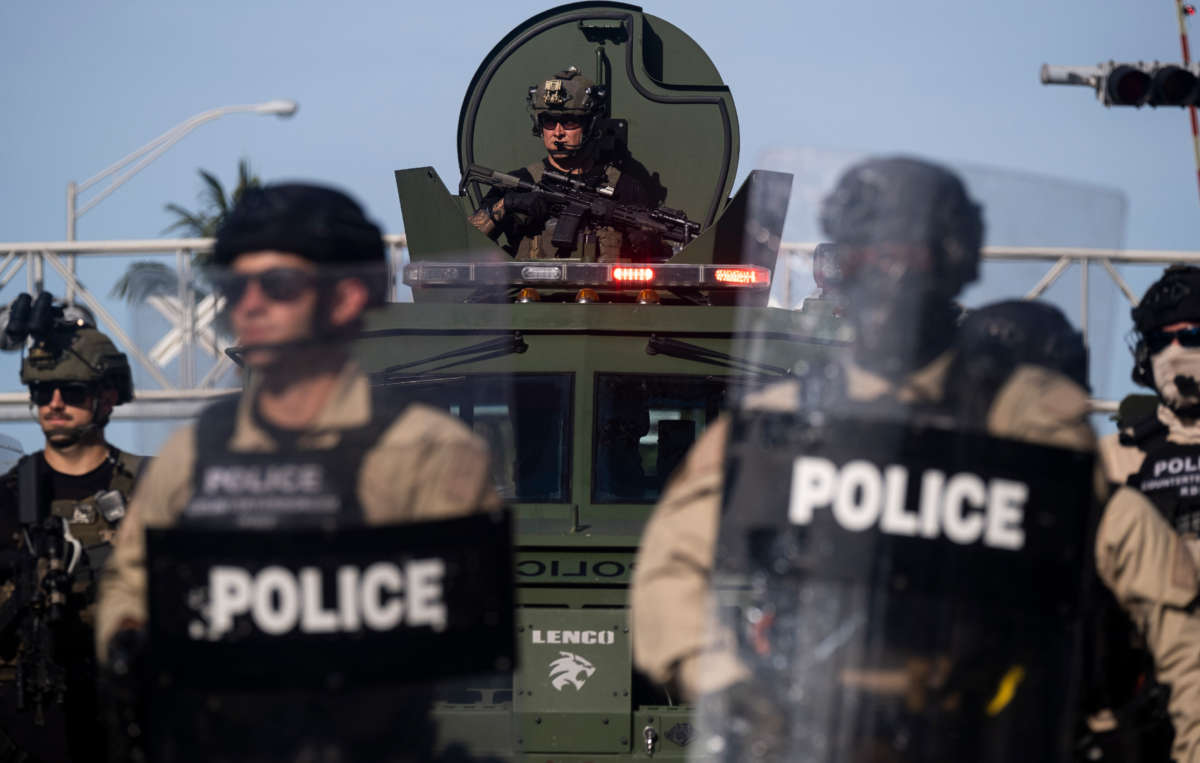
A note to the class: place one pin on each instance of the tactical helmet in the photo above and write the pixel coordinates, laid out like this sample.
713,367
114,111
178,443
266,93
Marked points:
82,355
906,201
312,221
1018,331
567,93
1173,298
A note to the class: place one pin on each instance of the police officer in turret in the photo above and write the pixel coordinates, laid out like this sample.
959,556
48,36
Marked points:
308,445
76,376
567,111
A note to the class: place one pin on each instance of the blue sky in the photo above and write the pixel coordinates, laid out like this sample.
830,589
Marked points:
380,84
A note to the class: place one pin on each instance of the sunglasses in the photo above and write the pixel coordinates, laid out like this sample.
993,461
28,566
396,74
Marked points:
76,394
548,122
278,284
1160,340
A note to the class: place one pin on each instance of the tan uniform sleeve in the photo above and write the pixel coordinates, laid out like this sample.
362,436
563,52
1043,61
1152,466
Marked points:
1153,574
670,597
427,466
1041,406
1120,461
160,496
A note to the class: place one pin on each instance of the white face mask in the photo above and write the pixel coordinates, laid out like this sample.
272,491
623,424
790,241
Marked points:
1177,360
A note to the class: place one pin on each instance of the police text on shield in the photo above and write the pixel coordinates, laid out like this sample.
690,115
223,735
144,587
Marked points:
379,597
963,507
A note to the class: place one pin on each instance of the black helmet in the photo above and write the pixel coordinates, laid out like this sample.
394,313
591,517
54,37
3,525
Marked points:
1173,298
905,201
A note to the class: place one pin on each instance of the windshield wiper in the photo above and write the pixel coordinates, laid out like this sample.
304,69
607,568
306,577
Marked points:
675,348
485,350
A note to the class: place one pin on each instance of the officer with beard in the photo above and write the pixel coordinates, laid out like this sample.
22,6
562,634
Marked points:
1157,456
297,266
76,376
910,238
566,109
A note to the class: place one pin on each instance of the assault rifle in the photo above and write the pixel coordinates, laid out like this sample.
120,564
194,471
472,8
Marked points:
575,203
41,575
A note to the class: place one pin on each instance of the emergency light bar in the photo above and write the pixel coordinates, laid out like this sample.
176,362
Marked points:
571,275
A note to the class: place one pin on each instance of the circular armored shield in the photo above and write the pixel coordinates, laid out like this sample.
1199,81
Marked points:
663,101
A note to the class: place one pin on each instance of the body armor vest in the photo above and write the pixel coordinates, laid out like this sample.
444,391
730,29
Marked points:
286,488
592,244
1170,478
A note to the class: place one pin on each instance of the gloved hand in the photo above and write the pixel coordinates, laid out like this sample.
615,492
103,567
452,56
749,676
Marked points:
645,246
753,727
531,208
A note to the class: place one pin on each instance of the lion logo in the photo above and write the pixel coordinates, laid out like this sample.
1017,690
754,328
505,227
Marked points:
570,669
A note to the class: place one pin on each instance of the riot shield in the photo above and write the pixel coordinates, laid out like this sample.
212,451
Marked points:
330,639
901,569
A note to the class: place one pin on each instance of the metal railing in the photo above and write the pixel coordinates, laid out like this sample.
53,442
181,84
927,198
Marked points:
192,329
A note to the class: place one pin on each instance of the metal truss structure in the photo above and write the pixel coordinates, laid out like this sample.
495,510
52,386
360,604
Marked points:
192,335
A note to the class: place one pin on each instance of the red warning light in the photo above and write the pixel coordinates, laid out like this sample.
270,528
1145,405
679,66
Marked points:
737,275
1189,10
633,274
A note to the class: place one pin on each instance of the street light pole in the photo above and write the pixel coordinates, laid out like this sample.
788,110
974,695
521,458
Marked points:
154,149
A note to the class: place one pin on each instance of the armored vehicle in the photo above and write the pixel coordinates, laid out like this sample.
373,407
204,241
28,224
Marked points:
590,379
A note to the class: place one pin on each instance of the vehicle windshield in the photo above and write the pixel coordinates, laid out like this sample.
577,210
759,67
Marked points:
526,420
644,426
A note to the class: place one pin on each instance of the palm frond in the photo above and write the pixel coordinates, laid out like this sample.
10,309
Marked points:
143,280
214,193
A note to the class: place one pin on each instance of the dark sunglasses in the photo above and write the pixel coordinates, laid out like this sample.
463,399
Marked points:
75,394
278,284
568,123
1160,340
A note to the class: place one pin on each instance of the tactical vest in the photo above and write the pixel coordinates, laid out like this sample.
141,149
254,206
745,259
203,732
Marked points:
287,488
592,244
86,519
1170,475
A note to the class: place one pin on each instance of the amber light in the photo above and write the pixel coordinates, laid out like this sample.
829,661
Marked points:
737,275
633,274
647,297
527,295
586,296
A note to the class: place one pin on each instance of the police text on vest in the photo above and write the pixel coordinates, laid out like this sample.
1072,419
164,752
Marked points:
963,507
380,597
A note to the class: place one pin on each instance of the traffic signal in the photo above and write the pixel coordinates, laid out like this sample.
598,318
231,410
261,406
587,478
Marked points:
1124,84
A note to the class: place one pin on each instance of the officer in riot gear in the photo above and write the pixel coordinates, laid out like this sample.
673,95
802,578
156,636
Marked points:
308,445
1156,453
909,237
567,112
76,376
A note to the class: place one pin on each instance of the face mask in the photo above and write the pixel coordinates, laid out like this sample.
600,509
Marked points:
1177,376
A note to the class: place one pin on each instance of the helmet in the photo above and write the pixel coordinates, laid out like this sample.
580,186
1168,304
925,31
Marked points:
1005,334
1174,297
312,221
909,237
567,93
79,355
908,202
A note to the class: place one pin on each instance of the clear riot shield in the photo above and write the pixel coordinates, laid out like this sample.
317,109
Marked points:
328,561
902,566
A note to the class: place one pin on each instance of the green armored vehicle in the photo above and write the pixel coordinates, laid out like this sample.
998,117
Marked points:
590,374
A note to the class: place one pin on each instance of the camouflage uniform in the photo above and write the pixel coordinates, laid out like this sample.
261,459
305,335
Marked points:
569,94
84,355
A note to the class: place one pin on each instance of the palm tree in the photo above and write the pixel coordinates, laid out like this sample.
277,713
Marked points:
143,280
